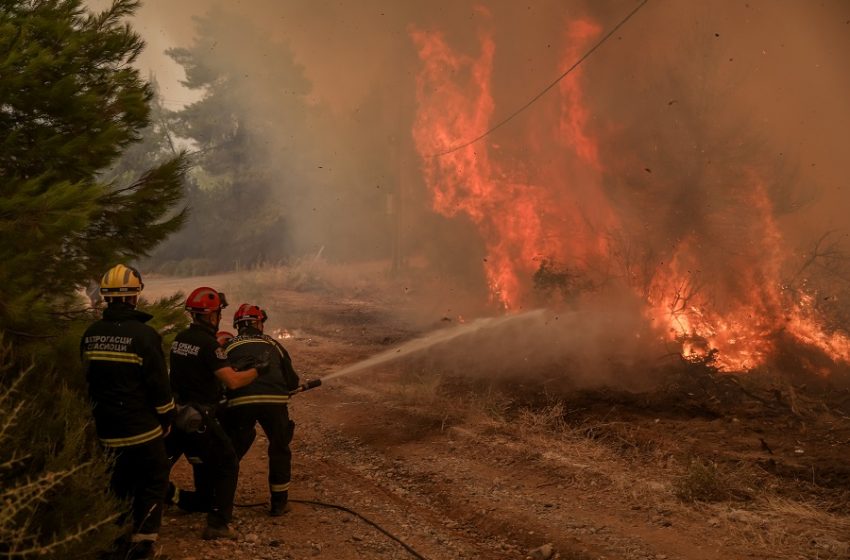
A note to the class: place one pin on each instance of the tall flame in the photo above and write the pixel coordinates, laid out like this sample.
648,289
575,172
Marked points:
560,212
512,205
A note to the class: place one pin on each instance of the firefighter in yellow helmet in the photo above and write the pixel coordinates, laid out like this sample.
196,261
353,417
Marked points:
132,404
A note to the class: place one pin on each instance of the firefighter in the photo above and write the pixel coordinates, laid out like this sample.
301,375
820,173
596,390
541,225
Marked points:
132,404
264,400
199,373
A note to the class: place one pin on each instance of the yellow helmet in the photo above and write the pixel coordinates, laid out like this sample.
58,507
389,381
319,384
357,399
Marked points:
121,281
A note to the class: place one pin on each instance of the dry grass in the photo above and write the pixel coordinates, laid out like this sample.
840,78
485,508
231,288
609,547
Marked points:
705,481
728,498
790,529
549,420
699,497
418,391
588,463
728,502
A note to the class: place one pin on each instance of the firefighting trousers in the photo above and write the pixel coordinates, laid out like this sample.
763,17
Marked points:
140,475
240,422
215,468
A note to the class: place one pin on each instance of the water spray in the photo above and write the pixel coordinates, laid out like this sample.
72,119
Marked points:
438,337
419,344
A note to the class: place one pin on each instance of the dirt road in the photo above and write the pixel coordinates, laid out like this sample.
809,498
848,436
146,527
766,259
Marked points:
457,471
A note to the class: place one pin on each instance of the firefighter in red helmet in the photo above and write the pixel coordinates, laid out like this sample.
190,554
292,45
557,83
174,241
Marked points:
200,371
133,407
264,401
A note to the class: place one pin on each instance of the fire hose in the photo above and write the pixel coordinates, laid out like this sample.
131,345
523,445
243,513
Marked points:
306,386
406,546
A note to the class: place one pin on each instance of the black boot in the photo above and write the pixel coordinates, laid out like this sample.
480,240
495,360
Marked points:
280,504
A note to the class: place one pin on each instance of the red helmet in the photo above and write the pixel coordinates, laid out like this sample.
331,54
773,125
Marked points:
205,300
248,313
223,337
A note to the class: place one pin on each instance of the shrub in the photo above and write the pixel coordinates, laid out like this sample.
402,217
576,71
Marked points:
54,502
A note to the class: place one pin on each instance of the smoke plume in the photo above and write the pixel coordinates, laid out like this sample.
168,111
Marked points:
696,156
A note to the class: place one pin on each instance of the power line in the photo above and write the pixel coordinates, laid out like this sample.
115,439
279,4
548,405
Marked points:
546,89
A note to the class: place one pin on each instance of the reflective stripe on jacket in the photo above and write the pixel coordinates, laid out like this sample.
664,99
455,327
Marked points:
127,378
274,381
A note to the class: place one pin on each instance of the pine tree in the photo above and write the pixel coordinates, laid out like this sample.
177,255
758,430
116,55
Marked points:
249,130
70,103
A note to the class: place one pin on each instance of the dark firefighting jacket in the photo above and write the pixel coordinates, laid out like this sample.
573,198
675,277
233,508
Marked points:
276,376
195,357
127,377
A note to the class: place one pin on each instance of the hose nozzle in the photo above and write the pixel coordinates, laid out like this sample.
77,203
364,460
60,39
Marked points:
311,384
306,386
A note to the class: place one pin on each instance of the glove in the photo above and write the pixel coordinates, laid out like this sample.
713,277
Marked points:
188,419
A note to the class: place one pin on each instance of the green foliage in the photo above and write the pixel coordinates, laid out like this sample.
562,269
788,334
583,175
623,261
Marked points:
67,90
70,103
169,317
155,145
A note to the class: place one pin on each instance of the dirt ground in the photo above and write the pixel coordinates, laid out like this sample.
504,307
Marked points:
703,467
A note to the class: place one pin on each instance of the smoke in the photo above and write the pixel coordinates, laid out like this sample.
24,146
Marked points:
717,134
602,341
665,180
775,67
735,84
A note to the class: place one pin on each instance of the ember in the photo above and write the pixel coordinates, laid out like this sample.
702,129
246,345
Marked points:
282,334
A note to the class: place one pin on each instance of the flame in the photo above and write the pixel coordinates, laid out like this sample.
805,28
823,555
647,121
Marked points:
743,331
559,211
512,205
282,334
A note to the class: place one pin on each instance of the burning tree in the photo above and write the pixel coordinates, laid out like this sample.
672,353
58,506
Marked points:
695,233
